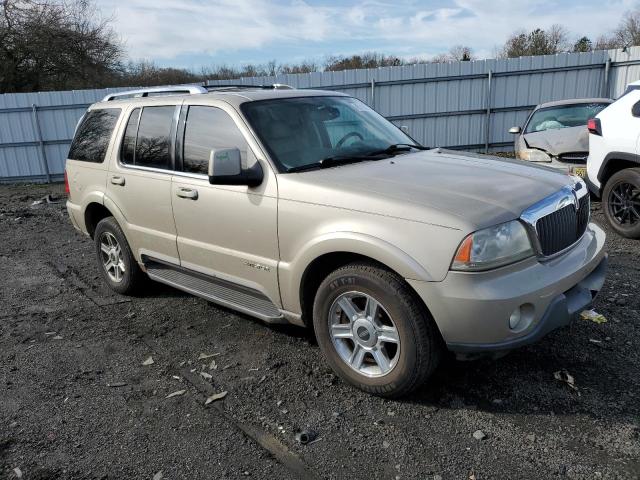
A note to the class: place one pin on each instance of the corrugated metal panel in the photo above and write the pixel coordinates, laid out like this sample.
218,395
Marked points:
443,104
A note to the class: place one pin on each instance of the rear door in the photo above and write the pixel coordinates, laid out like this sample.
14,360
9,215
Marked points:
139,182
226,231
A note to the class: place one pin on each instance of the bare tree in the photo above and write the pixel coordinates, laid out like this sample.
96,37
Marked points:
625,35
536,42
458,53
365,60
461,53
46,45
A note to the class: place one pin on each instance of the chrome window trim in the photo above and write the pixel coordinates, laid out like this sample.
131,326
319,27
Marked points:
144,169
128,166
567,195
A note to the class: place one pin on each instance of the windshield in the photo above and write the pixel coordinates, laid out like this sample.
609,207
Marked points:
563,116
305,130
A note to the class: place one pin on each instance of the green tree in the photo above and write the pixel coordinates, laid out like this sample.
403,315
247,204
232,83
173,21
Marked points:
583,45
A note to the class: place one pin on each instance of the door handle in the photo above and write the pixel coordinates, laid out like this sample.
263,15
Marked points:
117,180
187,193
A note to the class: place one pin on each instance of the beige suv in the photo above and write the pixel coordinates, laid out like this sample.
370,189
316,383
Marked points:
308,207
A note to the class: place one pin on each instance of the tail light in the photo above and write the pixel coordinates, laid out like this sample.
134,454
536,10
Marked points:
66,184
593,125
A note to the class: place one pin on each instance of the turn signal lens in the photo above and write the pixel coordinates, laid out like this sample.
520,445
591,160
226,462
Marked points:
463,255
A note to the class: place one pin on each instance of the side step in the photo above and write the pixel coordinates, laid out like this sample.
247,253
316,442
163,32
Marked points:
216,290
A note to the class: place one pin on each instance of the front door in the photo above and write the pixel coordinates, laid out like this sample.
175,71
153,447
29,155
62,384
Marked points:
139,181
225,231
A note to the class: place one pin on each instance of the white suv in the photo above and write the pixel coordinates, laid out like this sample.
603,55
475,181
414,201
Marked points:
613,166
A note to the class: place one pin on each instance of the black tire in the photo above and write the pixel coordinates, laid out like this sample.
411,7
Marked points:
626,224
133,278
420,345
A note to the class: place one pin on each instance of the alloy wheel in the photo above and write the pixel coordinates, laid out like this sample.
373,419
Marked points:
624,203
112,258
364,334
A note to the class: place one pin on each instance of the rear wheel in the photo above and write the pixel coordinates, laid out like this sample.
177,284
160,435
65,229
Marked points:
373,330
621,197
118,266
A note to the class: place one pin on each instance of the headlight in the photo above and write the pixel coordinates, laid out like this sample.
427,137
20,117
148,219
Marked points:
534,155
493,247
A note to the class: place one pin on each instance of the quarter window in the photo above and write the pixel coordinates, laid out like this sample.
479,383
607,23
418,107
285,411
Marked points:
209,128
129,141
92,137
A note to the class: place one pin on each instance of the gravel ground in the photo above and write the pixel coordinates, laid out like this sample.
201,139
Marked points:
76,401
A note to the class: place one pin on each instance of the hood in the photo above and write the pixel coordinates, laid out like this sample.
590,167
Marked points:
447,188
560,140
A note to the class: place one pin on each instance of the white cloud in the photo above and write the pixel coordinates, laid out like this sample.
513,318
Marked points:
163,29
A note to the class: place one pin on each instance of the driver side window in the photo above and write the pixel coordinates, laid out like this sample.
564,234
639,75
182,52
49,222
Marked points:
345,128
209,128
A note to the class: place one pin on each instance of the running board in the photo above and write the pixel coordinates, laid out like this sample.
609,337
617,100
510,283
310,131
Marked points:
216,290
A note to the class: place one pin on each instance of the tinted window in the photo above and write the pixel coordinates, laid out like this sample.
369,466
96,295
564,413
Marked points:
154,137
563,116
92,138
129,140
208,128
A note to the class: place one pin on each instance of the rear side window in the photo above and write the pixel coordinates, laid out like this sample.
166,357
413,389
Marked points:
208,128
154,137
92,137
129,141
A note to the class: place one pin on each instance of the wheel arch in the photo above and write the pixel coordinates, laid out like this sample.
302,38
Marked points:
327,255
613,163
93,213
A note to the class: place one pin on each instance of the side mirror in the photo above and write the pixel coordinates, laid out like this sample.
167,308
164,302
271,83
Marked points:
515,130
225,168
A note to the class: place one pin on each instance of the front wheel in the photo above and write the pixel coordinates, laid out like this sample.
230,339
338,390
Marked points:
374,332
621,202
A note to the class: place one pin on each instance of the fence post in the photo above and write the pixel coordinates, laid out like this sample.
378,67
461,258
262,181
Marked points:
373,94
605,85
487,127
43,153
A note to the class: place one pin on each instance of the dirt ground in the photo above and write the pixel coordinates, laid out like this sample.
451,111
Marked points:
76,401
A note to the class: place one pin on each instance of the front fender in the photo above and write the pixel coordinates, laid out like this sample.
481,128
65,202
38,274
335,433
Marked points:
291,273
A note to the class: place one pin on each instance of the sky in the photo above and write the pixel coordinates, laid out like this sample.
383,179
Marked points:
196,33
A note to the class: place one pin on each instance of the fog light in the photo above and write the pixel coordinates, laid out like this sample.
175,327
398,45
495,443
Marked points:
521,317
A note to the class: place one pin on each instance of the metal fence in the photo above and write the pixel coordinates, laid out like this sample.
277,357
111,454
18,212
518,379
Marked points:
461,105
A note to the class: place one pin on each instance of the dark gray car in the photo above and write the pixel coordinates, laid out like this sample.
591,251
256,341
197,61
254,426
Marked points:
555,134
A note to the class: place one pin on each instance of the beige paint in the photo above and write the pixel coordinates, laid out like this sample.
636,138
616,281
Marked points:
409,213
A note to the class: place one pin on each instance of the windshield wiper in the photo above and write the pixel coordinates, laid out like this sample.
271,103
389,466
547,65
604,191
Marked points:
398,147
339,160
343,159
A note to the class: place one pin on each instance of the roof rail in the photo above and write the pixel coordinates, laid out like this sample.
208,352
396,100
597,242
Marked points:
157,91
273,86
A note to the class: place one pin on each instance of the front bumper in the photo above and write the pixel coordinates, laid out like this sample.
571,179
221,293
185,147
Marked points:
472,310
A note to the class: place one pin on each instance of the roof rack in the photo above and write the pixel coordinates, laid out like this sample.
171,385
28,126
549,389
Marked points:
156,91
239,86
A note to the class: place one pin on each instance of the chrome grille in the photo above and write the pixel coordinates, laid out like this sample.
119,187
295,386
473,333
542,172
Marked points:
560,220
